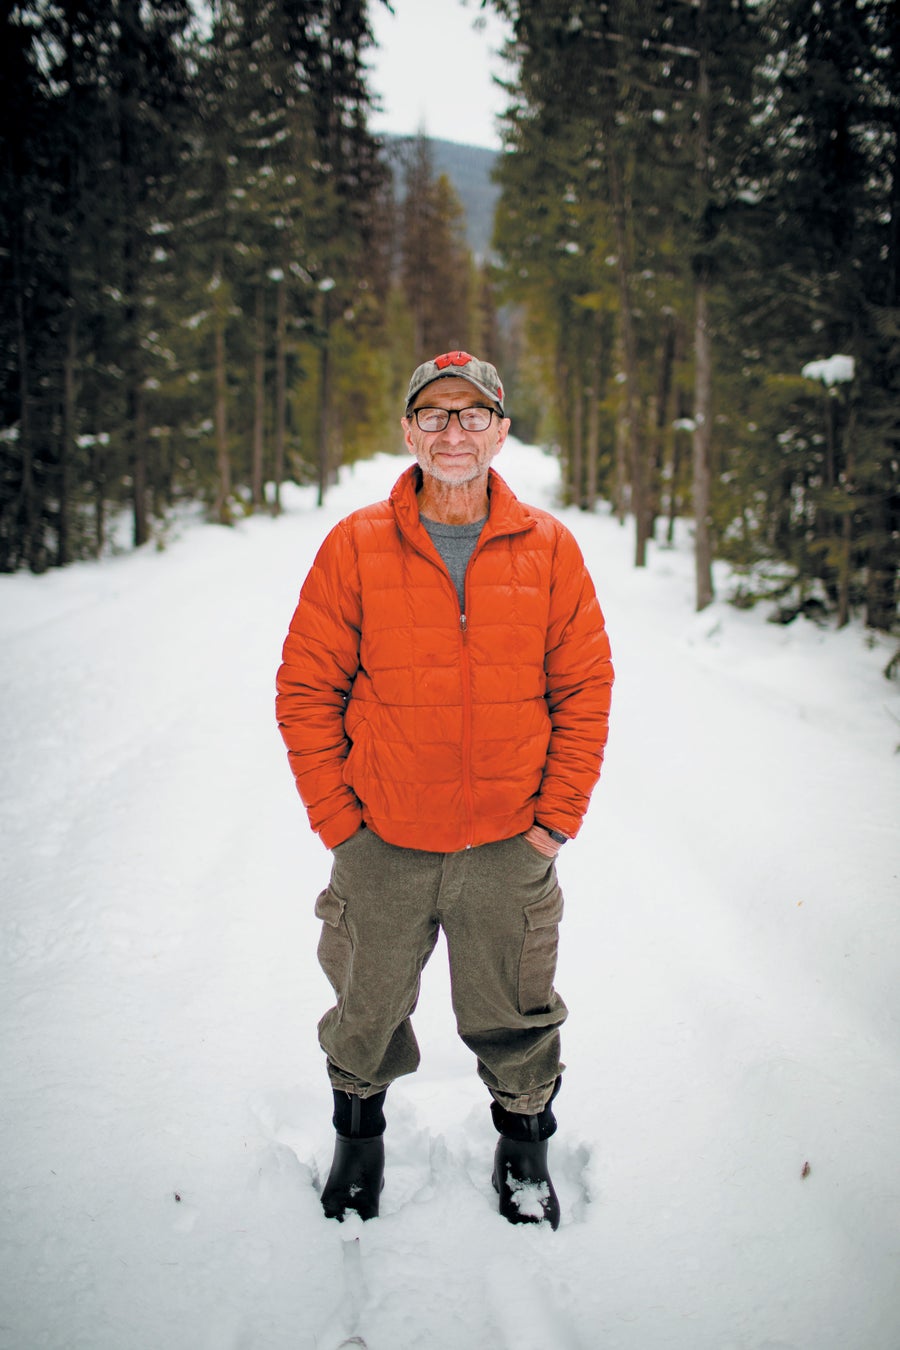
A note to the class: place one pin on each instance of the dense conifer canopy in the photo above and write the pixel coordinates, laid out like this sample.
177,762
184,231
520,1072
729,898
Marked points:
215,278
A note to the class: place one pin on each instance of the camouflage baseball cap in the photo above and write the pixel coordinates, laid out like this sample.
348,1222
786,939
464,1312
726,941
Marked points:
465,367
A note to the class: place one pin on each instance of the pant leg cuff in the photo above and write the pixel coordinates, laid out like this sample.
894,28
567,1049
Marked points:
347,1082
527,1103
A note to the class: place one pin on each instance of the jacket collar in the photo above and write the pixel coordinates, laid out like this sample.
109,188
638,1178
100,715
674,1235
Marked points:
507,514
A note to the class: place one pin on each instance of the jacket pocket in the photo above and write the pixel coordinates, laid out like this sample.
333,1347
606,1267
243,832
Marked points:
540,948
335,948
357,728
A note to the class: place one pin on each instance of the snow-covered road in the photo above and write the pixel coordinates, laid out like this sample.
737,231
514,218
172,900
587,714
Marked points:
730,960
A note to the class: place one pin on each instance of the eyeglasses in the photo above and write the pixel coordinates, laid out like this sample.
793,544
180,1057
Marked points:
476,418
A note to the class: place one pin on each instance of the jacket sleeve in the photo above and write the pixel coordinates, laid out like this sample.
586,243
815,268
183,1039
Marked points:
319,664
579,678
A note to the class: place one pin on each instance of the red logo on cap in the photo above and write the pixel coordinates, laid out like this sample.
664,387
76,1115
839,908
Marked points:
452,359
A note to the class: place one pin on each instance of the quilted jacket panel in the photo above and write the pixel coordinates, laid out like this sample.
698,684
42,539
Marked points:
440,731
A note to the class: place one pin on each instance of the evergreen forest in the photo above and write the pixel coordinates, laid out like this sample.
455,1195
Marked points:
216,279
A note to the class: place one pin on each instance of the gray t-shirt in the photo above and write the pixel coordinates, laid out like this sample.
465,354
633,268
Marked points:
455,544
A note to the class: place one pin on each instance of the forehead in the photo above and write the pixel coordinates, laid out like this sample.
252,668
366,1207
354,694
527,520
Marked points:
448,392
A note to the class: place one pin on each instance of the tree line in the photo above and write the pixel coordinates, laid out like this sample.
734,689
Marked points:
700,208
212,282
209,285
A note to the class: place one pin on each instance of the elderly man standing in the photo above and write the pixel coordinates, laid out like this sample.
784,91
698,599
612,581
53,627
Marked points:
444,697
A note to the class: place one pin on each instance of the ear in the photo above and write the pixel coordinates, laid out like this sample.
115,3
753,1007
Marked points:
407,437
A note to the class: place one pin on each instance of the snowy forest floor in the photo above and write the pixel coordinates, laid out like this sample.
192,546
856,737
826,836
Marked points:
729,958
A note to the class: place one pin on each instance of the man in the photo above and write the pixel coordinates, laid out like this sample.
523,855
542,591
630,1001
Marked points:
444,697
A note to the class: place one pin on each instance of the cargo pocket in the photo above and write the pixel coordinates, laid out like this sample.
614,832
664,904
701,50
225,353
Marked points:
335,947
540,947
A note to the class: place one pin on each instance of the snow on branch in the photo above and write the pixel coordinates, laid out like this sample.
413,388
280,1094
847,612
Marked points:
835,370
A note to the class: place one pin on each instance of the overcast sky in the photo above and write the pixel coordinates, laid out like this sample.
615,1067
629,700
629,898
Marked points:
432,70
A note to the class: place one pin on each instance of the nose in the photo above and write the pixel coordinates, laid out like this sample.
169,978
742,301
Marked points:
453,431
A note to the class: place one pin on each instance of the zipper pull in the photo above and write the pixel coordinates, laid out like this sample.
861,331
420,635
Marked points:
463,622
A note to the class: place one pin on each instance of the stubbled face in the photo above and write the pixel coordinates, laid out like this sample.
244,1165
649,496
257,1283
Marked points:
454,456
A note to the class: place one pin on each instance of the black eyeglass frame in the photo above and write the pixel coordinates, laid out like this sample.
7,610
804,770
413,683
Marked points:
473,407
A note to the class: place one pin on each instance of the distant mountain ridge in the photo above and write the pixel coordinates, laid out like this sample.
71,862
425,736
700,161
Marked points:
469,169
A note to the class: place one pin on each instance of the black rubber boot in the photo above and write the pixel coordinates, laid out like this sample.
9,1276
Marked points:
521,1177
357,1170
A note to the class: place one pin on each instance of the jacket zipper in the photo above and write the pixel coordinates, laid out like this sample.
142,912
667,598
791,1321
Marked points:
466,680
468,795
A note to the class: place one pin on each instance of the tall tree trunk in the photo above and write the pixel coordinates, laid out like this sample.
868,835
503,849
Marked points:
70,356
220,416
324,400
881,573
130,175
704,594
139,476
592,441
621,483
884,555
679,436
662,418
576,453
629,348
674,470
564,386
280,388
702,349
23,544
98,493
259,403
845,565
67,448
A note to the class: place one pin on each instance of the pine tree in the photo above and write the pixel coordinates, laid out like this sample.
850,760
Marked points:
435,264
821,207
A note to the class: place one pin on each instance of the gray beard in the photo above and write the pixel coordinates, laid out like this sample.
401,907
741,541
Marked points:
451,480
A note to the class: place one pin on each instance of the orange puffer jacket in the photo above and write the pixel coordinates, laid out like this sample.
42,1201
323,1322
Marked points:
437,729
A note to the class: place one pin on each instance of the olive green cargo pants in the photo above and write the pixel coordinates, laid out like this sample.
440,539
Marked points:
499,906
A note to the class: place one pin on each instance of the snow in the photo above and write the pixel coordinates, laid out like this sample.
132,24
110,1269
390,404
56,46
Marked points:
729,957
834,370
